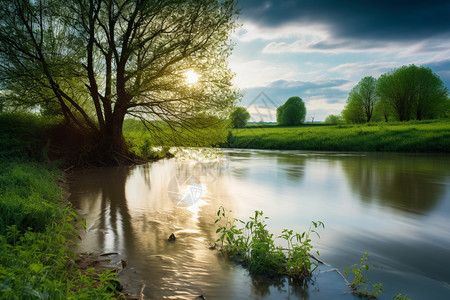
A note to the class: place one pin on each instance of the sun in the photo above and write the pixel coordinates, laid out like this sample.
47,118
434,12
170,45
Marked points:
191,77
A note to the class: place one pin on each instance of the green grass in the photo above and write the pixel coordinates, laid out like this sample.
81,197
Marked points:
36,227
415,136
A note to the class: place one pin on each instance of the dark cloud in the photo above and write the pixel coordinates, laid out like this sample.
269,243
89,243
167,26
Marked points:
442,69
386,20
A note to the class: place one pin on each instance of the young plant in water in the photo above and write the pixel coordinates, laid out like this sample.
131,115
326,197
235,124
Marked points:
255,246
299,264
401,297
230,236
359,281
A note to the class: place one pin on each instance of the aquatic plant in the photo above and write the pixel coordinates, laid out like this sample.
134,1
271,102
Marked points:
358,285
255,246
399,296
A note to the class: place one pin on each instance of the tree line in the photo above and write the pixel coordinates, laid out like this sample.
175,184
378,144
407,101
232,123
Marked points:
406,93
403,94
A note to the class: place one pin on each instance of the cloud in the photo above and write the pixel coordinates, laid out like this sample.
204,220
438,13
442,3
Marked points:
442,69
383,20
308,33
362,69
327,44
256,72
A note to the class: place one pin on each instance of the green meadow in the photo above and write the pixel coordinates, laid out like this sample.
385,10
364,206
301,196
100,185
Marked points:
413,136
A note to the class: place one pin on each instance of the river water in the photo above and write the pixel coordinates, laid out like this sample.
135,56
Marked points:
395,206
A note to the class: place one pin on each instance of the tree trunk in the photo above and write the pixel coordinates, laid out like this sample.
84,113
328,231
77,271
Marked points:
113,137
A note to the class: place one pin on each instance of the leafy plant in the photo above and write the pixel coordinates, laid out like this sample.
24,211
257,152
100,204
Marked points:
255,246
358,285
299,264
230,236
401,297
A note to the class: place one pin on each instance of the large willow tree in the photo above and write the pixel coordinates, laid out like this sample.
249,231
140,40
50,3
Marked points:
413,92
96,61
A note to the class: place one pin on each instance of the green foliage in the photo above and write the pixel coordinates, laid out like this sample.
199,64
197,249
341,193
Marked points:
413,93
413,136
142,138
401,297
292,112
239,117
359,283
255,245
23,136
94,63
36,229
333,120
28,197
361,101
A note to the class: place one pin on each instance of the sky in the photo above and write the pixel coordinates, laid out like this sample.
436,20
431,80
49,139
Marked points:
320,49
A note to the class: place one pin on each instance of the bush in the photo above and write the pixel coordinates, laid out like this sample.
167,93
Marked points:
22,136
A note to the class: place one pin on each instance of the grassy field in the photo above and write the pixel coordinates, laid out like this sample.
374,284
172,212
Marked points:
414,136
36,226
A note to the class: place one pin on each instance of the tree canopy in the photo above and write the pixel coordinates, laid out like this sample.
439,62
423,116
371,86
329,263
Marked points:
239,117
96,61
361,101
292,112
412,93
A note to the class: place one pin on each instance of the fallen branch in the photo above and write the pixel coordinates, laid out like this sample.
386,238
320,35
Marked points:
315,258
109,253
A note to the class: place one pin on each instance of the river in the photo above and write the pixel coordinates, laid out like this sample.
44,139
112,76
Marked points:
395,206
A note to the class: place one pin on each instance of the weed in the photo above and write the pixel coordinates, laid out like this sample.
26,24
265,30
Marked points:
358,285
255,246
401,297
299,264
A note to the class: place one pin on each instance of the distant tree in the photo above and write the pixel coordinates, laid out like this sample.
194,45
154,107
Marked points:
333,119
413,92
239,117
361,101
292,112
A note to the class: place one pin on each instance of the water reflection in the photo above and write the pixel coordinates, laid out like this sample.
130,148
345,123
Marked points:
414,184
107,202
381,203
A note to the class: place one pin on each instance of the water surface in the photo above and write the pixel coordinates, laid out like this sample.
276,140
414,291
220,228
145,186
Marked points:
396,206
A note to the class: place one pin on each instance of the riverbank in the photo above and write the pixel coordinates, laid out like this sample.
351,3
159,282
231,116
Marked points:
415,136
37,225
